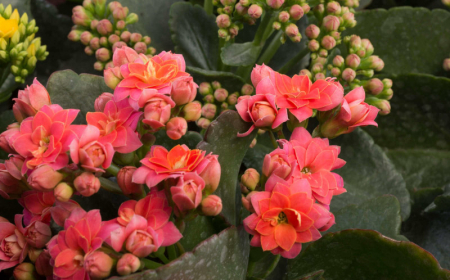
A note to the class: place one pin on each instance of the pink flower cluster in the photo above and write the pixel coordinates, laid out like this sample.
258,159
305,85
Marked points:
294,206
278,96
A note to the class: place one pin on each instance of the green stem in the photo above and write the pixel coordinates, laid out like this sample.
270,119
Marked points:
250,268
5,73
208,6
274,141
163,258
150,264
172,252
180,248
110,186
113,169
271,49
286,67
259,36
272,266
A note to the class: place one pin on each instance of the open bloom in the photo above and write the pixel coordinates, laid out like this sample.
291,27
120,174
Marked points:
36,234
117,125
285,217
6,138
260,72
30,101
62,210
36,206
354,112
315,161
9,26
13,246
160,164
45,138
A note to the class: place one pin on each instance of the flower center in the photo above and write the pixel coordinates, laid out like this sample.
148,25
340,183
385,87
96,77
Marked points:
306,170
78,260
282,218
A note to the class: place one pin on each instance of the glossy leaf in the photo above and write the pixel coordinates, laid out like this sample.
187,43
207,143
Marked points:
222,256
244,54
73,91
195,35
366,254
191,139
221,139
228,79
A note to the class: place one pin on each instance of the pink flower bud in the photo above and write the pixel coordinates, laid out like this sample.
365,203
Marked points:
348,75
187,194
103,54
44,178
209,111
211,174
277,163
292,30
184,90
247,202
101,101
208,98
74,35
212,205
176,128
223,33
63,192
334,8
374,86
223,21
104,27
245,3
312,31
43,266
221,94
37,234
141,243
319,76
98,265
24,271
248,89
331,23
112,79
335,72
215,85
283,16
140,47
147,40
349,19
250,179
88,50
205,88
125,182
276,25
305,72
114,5
203,123
296,12
338,61
125,36
313,45
87,184
352,61
120,13
275,4
387,83
112,39
80,16
259,72
383,105
255,11
86,37
306,8
192,111
135,37
95,43
240,9
128,264
232,99
328,42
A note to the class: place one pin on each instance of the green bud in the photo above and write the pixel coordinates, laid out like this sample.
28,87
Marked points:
31,63
4,56
19,47
2,8
24,73
31,26
23,54
131,18
15,39
41,51
22,29
24,18
7,12
87,4
100,9
13,53
15,69
3,44
36,42
19,80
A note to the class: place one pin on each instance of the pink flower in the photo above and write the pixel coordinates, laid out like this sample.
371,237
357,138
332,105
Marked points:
315,161
44,178
101,101
176,128
278,163
62,210
6,136
87,184
160,164
157,108
43,266
187,193
285,217
37,233
124,180
36,206
354,112
98,264
128,264
211,173
261,108
45,138
183,90
30,101
212,205
117,125
88,151
11,185
79,238
260,72
13,246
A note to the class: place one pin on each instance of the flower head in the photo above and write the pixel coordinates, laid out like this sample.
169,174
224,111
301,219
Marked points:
9,26
13,246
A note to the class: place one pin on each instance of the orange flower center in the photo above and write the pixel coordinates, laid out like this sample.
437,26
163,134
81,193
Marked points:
282,218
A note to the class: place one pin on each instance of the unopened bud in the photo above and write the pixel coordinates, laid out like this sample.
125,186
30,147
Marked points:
335,72
74,35
176,128
95,43
103,54
203,123
87,184
114,5
313,45
349,20
93,24
220,94
331,23
205,88
135,37
319,76
275,4
317,67
104,27
113,39
211,205
131,18
232,98
120,25
120,13
24,271
250,179
355,42
240,9
296,12
312,31
283,16
223,33
334,8
447,3
215,85
209,111
319,10
140,47
374,86
338,61
348,75
352,61
276,25
247,89
387,83
305,72
98,264
292,30
147,40
255,11
208,98
128,264
125,36
323,54
192,111
382,104
328,42
367,45
306,8
386,94
63,192
223,21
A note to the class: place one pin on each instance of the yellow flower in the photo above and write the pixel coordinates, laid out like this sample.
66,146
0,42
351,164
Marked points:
9,26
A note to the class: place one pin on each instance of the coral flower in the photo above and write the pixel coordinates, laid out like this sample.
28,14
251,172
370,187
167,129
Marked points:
13,246
117,125
160,164
316,159
300,96
37,206
285,217
45,138
11,185
69,248
30,101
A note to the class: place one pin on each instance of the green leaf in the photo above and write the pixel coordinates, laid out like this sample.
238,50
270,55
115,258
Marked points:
418,117
368,173
244,54
396,40
440,203
196,231
254,157
230,80
195,35
222,256
190,139
316,275
363,4
221,139
366,254
381,214
153,15
73,91
6,89
425,173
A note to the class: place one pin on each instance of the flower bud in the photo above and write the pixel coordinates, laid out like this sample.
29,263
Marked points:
101,101
220,94
34,253
99,66
313,45
131,18
205,88
192,111
354,42
348,75
88,50
95,43
223,33
120,13
208,98
176,128
338,61
140,47
446,2
24,271
334,8
223,21
74,35
124,180
283,16
305,72
147,40
352,61
203,123
240,9
292,30
382,104
63,192
276,25
319,76
247,89
183,90
209,111
103,54
255,11
114,5
296,12
98,265
135,37
374,86
275,4
328,42
349,19
87,184
232,98
128,264
125,36
104,27
335,72
387,83
250,179
247,201
215,85
80,16
113,38
331,23
212,205
44,178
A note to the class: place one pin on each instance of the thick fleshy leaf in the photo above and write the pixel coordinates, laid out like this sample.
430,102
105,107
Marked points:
73,91
366,254
368,173
223,256
244,54
255,156
396,39
381,214
221,139
228,79
191,139
441,203
199,229
194,33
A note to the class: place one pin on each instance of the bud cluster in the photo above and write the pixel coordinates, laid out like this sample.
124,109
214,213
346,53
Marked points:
218,100
103,28
234,13
333,18
19,47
